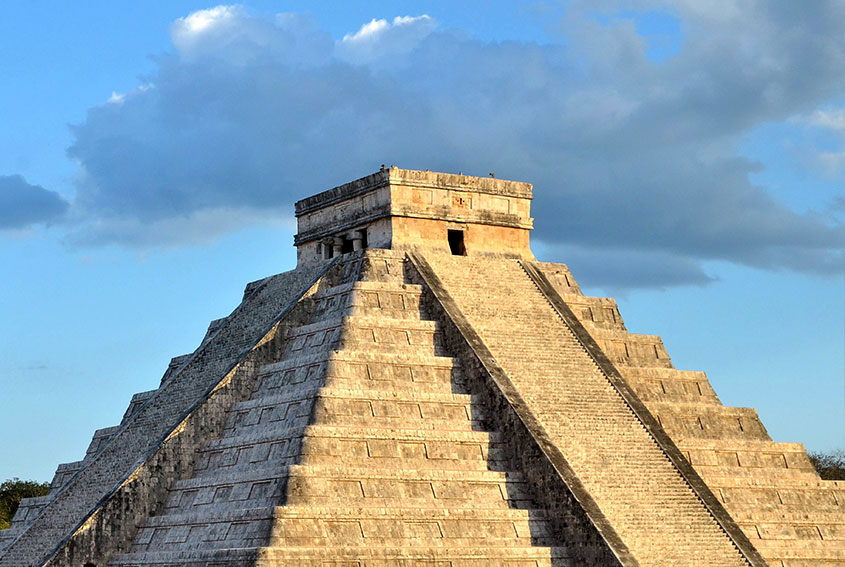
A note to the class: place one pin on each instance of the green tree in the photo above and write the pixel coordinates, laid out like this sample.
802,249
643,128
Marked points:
830,466
12,492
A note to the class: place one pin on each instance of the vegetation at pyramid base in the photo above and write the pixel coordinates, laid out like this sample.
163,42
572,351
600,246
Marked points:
830,466
12,492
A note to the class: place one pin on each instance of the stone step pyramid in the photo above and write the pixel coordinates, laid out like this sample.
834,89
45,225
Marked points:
422,391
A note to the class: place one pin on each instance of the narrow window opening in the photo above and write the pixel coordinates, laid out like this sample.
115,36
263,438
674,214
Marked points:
456,242
90,565
363,239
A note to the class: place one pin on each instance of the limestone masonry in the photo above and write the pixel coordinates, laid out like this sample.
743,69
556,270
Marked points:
422,391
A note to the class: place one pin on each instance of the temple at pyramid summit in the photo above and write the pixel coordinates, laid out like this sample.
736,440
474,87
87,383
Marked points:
422,391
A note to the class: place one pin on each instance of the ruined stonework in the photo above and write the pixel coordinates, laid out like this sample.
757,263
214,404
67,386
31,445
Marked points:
422,391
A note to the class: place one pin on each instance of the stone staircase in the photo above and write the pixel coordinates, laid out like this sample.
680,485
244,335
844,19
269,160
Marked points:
358,447
88,507
628,475
30,508
792,517
358,441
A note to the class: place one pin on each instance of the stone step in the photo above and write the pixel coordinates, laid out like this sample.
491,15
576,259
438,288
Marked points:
384,487
392,448
387,299
773,524
370,333
391,526
327,431
829,486
371,321
369,285
696,409
561,278
783,517
400,409
708,421
798,531
801,549
379,265
29,508
363,364
135,404
285,410
669,384
631,349
485,556
419,380
595,312
383,369
746,453
64,472
100,439
402,445
358,393
373,408
176,364
708,472
777,496
310,527
314,484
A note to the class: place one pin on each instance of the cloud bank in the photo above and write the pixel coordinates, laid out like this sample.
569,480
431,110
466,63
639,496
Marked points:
23,205
634,160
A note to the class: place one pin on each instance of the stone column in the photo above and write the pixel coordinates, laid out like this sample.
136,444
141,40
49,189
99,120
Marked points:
357,238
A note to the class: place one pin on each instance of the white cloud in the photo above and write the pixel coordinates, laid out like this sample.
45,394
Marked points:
116,98
380,40
202,21
367,31
374,29
629,158
828,118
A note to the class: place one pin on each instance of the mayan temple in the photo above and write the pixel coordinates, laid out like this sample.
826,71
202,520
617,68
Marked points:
421,391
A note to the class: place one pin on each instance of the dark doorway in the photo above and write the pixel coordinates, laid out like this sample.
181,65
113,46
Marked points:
456,242
347,246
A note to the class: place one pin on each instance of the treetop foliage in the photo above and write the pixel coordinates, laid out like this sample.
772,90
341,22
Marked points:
12,492
830,466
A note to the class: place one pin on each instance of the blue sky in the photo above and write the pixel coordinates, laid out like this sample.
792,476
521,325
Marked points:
688,159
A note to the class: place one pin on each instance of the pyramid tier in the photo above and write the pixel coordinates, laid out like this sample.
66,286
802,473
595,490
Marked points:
362,370
485,556
323,444
310,526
